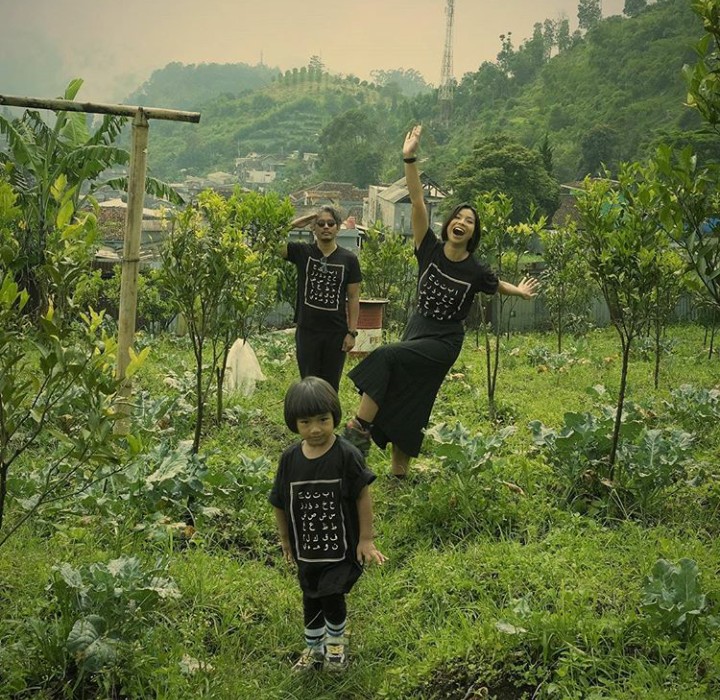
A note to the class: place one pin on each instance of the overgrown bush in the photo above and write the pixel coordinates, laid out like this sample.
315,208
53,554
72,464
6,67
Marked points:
650,461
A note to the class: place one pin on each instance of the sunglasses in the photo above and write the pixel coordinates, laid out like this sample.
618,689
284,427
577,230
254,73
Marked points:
325,224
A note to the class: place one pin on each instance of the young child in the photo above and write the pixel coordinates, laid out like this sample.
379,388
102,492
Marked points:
324,517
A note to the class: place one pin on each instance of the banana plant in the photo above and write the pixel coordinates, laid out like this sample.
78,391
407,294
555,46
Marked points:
55,168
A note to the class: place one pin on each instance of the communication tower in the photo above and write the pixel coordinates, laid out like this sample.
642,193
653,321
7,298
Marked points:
445,93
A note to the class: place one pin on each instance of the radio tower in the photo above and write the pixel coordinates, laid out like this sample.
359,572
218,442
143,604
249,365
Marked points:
445,94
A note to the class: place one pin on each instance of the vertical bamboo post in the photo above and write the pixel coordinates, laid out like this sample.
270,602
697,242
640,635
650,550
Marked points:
131,254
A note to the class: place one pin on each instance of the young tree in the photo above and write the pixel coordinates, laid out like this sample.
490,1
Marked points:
389,270
669,285
58,396
702,77
622,246
216,280
688,202
567,286
502,245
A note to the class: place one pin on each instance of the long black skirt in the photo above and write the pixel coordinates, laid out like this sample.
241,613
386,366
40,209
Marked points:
404,379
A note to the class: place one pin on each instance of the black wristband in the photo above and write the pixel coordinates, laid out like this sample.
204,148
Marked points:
354,334
409,160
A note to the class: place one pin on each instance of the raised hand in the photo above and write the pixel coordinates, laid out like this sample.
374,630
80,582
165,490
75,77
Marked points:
529,287
412,141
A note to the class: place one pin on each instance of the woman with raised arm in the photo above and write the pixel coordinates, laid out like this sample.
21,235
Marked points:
399,382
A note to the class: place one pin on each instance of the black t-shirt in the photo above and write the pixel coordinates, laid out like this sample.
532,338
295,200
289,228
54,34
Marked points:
319,497
446,288
321,298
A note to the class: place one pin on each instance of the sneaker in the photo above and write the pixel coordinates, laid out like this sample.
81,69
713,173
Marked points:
356,435
311,659
335,658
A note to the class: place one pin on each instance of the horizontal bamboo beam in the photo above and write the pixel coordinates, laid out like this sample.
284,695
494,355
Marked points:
173,115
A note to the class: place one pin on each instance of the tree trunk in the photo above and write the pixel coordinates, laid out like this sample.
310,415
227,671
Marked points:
620,404
488,367
712,336
3,491
200,404
658,332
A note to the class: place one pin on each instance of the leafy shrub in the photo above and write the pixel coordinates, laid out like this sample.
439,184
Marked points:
644,347
673,599
100,615
468,495
695,408
649,461
544,359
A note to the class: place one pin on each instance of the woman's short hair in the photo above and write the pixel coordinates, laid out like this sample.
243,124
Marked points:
327,209
475,240
310,396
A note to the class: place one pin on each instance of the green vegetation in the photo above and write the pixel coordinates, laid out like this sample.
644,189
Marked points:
600,98
563,544
510,569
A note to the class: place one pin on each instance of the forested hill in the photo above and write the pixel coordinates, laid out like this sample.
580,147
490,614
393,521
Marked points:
179,86
605,97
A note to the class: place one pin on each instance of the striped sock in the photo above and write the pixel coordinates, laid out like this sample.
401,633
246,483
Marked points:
314,636
334,630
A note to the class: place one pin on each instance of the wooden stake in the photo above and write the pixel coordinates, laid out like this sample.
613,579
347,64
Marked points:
133,218
131,250
99,108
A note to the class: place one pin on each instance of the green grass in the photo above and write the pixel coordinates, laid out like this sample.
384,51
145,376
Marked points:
491,583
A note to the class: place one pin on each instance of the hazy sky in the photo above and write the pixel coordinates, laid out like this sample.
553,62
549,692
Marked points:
115,45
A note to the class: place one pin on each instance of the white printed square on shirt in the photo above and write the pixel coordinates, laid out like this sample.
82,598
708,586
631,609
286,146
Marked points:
323,284
441,296
317,520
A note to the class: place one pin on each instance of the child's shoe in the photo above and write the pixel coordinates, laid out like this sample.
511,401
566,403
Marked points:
311,659
356,435
335,658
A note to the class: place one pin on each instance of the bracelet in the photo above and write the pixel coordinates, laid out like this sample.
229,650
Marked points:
409,160
354,334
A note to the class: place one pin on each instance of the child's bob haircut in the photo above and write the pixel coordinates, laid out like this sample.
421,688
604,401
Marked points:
308,397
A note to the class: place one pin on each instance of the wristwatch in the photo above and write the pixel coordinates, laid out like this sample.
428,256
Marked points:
353,333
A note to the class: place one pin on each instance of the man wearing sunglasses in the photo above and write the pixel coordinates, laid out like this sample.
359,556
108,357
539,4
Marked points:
327,301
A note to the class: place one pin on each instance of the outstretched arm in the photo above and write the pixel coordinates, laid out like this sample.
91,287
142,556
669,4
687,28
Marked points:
527,288
418,215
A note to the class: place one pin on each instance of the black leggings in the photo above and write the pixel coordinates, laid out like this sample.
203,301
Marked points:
317,610
320,354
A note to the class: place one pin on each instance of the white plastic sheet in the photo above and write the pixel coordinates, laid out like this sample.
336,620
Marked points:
243,369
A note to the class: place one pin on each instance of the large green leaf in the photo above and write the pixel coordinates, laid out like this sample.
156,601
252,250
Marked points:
86,642
153,187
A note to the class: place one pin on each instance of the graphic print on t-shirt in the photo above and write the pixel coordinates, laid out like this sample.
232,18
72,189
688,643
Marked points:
323,282
317,520
440,296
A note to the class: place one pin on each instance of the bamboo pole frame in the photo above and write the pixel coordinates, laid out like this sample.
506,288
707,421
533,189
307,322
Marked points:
136,196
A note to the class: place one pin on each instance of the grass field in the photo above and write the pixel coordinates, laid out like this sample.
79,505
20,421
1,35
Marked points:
509,576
